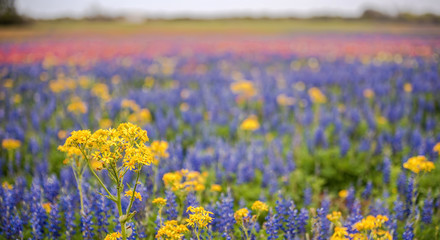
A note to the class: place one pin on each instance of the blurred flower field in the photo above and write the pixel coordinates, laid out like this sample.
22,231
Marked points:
318,135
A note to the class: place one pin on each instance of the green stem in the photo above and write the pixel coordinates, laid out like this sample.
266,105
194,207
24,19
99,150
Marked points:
119,203
134,191
96,176
197,235
155,170
81,197
100,181
245,231
160,216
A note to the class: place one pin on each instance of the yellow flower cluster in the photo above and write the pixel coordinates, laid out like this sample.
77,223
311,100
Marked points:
419,164
407,87
334,216
159,150
340,233
259,207
137,195
160,202
370,223
141,116
437,148
284,100
343,193
378,234
62,84
101,90
185,180
171,230
113,236
11,144
77,106
241,215
244,88
216,188
316,95
126,143
199,217
250,124
47,207
130,104
6,185
368,93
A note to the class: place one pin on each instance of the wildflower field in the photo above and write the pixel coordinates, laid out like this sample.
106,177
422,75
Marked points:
211,133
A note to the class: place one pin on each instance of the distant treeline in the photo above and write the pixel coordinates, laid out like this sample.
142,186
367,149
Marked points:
9,16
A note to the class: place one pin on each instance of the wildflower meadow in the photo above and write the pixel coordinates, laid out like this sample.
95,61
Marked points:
303,136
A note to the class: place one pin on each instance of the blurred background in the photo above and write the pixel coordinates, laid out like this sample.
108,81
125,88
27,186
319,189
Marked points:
279,16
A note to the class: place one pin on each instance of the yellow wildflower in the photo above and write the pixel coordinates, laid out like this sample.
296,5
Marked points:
159,150
77,106
11,144
172,230
47,207
284,100
137,195
130,104
370,222
437,148
407,87
9,83
101,90
241,215
245,88
250,123
6,185
97,165
340,233
216,188
160,202
316,95
334,216
343,193
368,93
113,236
76,138
259,207
419,164
199,217
105,123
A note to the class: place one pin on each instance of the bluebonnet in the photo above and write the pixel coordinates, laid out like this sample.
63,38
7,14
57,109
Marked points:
410,193
386,170
87,228
350,197
272,226
354,217
367,191
307,196
54,219
324,223
408,234
51,188
428,210
171,207
399,209
67,207
38,220
402,184
225,214
301,221
101,211
291,225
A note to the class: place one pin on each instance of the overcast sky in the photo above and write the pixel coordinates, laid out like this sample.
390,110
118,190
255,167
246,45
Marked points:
211,8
